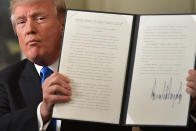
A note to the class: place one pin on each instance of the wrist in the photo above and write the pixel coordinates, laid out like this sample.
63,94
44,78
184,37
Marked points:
45,114
193,107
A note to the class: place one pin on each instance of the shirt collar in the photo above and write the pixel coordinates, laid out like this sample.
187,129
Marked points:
53,67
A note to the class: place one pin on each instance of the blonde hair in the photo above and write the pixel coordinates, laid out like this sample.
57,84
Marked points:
59,4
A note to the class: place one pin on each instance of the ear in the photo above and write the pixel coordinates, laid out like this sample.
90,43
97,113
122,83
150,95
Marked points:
62,21
62,26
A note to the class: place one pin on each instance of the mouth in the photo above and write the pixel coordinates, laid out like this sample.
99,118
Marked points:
33,42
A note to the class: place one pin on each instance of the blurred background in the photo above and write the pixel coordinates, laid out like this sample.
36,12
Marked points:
9,48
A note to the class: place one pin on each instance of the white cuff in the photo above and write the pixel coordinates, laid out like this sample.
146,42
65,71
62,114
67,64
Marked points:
41,126
194,119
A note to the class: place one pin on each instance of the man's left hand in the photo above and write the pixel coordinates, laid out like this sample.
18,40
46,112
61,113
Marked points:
191,83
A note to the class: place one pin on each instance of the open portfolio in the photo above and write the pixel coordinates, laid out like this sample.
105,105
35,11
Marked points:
127,69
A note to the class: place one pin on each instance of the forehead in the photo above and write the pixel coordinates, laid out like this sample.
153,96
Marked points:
34,7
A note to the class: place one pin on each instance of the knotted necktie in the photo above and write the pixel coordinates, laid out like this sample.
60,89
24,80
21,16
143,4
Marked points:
44,73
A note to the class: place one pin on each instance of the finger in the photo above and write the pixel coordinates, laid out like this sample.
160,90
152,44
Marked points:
60,82
191,78
57,79
192,71
59,99
64,84
191,84
191,75
58,90
63,77
64,91
191,91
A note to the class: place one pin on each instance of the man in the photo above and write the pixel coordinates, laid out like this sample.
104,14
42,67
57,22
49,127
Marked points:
39,26
25,103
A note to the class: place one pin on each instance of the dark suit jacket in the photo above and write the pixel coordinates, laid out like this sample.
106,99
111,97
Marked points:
191,127
20,94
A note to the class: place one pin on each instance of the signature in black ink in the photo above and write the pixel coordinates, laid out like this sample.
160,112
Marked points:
167,94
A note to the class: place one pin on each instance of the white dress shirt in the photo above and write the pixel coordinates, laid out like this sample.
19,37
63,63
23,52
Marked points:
41,126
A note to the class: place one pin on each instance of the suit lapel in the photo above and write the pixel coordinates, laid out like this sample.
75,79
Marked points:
30,84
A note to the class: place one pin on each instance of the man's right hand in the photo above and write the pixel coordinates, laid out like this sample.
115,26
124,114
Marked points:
56,89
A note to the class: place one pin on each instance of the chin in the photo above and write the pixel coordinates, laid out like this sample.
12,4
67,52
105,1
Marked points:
37,60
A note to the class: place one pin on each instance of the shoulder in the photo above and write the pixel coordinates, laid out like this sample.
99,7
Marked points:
14,70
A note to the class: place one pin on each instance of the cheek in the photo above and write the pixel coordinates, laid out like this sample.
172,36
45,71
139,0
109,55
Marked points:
21,42
54,38
20,36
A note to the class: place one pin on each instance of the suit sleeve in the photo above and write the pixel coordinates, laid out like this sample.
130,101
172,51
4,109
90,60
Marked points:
23,119
191,127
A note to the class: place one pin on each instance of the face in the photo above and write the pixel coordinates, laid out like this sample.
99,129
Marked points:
39,31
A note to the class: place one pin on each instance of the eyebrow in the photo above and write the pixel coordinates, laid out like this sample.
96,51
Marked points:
33,15
38,13
19,18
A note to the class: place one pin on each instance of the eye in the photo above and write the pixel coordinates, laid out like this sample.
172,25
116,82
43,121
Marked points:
20,22
40,19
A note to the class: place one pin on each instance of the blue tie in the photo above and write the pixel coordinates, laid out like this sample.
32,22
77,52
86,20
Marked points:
44,73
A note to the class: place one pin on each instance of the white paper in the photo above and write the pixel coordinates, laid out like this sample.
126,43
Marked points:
165,52
94,56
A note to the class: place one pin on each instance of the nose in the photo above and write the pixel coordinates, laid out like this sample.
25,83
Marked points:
30,27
